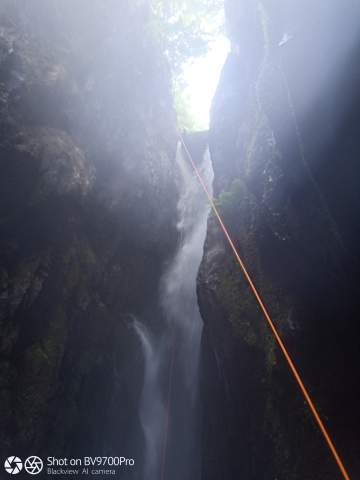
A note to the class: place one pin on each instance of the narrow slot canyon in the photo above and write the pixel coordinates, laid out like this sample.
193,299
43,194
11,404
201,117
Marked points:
132,344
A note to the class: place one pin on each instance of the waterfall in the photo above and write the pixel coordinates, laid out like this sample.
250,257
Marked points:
151,403
173,359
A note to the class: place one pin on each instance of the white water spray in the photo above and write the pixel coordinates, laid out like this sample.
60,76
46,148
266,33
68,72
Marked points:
180,339
151,403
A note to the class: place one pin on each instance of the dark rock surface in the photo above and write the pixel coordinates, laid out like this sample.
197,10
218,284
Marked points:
87,218
285,145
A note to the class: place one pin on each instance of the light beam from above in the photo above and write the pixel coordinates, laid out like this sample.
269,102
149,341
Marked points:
201,76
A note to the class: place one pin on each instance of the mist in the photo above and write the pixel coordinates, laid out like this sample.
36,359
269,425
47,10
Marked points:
128,329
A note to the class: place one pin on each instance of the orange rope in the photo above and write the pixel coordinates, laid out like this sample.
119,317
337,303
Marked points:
271,324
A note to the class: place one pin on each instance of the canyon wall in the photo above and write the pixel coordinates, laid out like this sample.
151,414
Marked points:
284,142
88,213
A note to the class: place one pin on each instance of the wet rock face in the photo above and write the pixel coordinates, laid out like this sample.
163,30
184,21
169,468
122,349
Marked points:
285,155
87,217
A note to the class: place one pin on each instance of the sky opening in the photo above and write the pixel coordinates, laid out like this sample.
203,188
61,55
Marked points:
201,75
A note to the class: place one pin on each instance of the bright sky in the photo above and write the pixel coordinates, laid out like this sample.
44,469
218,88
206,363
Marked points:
202,76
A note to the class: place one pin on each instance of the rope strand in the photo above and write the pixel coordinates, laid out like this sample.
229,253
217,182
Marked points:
268,319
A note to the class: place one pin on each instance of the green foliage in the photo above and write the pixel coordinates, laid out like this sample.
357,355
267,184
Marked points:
228,201
182,107
185,29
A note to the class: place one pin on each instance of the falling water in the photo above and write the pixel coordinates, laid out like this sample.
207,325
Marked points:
169,410
151,404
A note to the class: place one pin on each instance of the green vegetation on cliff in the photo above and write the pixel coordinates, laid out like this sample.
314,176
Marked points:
185,30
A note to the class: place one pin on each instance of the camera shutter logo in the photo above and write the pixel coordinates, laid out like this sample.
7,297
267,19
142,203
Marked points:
13,465
33,465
